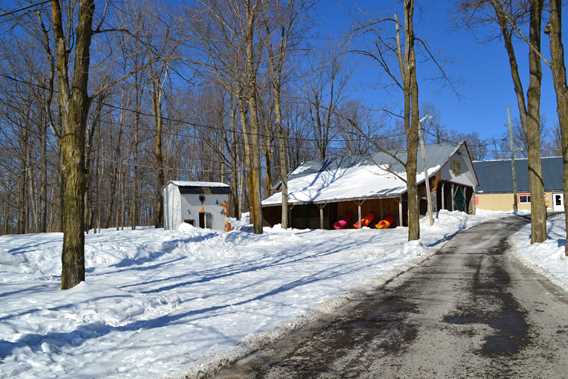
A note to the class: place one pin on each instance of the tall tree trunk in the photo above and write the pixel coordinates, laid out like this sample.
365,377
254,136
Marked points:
268,158
61,186
135,210
247,161
112,192
234,166
412,122
96,215
254,190
23,200
561,88
158,153
43,183
74,102
283,157
115,178
33,225
529,110
536,181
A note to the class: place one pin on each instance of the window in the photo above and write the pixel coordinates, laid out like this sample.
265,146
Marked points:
524,199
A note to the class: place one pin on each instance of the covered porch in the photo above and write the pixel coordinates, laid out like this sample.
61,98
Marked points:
323,215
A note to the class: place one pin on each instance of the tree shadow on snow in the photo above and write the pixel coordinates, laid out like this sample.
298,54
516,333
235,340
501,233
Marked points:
286,257
84,333
34,289
166,247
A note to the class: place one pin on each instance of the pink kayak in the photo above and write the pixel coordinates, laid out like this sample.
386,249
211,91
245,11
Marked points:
341,224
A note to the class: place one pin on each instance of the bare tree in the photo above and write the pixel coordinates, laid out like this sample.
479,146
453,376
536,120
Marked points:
74,104
554,30
405,80
230,35
509,16
284,25
325,93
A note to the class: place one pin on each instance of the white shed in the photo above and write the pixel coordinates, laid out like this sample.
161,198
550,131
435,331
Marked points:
201,204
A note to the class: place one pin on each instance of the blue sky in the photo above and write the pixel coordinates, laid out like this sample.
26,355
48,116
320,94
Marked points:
476,64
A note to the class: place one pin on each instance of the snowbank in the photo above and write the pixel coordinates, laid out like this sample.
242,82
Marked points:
548,257
165,303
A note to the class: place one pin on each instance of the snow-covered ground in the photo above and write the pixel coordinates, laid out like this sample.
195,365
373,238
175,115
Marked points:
548,257
166,303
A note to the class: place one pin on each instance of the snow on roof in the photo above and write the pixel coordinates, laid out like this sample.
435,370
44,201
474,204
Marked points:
359,177
183,183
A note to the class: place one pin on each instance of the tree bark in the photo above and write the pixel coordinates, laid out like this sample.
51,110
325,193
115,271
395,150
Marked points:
74,103
158,153
247,163
275,68
412,123
234,165
529,110
23,200
268,159
135,212
561,89
536,182
254,190
43,181
283,158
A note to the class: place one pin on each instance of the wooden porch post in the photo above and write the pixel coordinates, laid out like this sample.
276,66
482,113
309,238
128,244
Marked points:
400,216
321,207
453,194
359,204
443,196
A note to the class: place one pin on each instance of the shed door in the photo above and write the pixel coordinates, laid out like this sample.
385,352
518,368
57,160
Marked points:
202,219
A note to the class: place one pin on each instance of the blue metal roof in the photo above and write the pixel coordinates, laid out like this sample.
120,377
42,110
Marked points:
496,177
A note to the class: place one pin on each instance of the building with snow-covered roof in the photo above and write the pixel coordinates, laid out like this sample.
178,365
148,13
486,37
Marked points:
321,193
495,189
201,204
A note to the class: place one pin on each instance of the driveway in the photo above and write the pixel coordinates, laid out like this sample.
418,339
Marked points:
471,310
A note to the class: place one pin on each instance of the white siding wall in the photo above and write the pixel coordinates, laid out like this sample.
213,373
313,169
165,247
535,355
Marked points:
178,207
213,207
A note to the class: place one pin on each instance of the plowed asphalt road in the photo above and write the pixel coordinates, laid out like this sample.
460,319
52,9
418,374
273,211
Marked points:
469,311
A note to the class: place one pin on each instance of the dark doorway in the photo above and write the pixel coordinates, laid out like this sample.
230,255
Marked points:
459,200
202,220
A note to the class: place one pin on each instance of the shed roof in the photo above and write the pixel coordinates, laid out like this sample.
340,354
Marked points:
358,177
183,183
495,176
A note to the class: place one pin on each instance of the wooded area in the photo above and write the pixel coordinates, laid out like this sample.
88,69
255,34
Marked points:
103,102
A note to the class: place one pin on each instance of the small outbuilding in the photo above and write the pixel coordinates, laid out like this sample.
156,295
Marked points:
201,204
